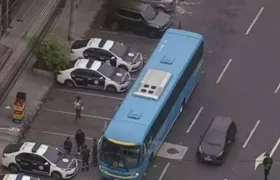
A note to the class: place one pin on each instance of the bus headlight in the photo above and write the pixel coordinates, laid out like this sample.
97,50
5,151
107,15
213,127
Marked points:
135,174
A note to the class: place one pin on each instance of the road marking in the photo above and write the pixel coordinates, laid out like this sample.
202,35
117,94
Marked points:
223,72
195,119
251,133
71,113
90,94
24,44
178,152
275,147
277,89
57,134
164,171
254,21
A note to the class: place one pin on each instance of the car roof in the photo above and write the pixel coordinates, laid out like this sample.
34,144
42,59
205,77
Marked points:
129,4
88,64
16,177
220,124
101,43
33,147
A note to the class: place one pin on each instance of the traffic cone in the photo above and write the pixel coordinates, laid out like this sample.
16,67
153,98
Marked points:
179,25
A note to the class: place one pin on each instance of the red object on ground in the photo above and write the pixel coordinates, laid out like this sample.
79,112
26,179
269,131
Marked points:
179,25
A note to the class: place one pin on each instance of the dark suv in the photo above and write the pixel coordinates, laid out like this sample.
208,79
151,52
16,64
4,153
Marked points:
137,16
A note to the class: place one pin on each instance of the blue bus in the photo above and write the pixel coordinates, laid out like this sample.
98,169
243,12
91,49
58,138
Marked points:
151,106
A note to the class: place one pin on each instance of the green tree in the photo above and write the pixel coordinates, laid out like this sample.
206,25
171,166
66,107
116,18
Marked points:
51,53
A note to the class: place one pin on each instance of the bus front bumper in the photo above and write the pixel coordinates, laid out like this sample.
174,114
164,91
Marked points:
106,174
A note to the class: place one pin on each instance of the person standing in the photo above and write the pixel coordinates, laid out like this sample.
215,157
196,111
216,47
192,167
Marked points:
267,163
80,140
78,105
67,145
94,152
85,158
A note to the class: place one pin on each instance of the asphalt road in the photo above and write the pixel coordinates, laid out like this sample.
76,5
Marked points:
243,88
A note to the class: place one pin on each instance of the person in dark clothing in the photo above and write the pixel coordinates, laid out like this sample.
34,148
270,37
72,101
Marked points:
267,163
67,145
85,158
78,105
94,152
80,140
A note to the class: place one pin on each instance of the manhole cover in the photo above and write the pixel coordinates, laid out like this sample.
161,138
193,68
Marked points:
172,151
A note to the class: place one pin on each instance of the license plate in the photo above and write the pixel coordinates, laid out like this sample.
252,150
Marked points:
207,159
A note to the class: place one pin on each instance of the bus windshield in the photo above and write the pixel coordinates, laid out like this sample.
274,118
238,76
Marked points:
120,156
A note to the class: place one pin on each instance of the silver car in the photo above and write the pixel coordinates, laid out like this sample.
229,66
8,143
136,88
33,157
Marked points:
162,5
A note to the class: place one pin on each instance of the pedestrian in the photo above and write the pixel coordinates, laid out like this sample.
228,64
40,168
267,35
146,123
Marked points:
85,157
78,105
80,140
67,145
94,152
267,163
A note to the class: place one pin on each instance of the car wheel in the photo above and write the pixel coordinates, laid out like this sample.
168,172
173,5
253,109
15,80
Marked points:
111,88
123,67
115,26
152,34
13,168
56,175
69,83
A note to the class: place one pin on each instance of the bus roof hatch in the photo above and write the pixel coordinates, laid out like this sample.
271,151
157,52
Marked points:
153,84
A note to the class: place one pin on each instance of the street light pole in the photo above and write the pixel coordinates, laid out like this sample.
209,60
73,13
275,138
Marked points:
71,20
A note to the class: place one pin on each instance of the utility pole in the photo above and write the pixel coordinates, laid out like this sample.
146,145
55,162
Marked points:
4,16
71,20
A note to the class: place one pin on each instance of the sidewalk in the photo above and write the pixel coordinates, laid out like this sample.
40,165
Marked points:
37,87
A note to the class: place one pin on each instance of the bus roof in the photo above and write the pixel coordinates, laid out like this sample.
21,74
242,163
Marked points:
136,114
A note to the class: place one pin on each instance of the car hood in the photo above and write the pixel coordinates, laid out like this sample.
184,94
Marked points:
66,162
209,149
131,55
167,1
160,20
119,75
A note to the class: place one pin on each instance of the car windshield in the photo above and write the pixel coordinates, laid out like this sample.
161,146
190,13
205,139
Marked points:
107,70
119,49
119,156
53,155
149,13
214,138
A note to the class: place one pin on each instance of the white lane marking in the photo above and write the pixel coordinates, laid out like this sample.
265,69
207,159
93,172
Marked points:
164,171
90,94
251,133
71,113
277,89
254,21
275,147
195,119
24,44
57,134
223,72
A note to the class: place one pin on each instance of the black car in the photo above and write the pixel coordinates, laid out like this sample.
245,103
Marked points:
137,16
216,140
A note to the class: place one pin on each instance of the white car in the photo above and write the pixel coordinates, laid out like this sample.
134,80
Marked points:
111,52
94,74
39,159
17,177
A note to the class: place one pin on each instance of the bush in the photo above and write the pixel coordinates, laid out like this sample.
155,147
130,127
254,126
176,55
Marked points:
51,54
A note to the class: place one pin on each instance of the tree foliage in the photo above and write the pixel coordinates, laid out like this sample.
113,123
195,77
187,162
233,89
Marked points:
51,53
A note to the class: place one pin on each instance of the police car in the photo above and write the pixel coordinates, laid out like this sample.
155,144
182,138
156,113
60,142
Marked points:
95,75
17,177
39,159
114,53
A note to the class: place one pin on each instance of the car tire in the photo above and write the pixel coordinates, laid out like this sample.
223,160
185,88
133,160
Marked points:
56,175
115,26
111,88
13,168
123,67
69,83
152,34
